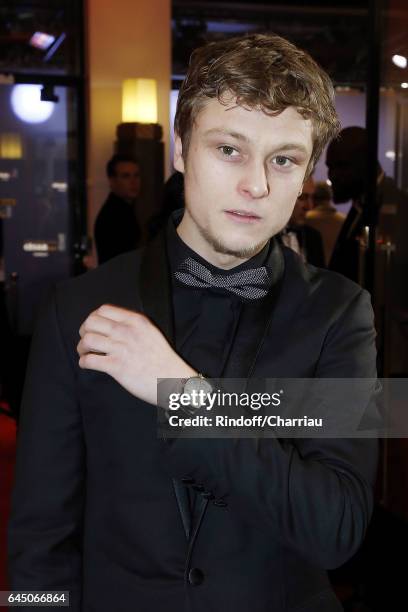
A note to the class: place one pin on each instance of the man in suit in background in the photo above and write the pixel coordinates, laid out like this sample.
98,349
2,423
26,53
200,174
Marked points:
346,163
116,227
117,515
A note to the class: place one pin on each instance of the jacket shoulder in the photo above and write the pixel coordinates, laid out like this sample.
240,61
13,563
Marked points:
314,287
114,282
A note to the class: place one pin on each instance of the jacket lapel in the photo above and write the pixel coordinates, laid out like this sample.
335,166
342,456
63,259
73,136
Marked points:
183,503
156,301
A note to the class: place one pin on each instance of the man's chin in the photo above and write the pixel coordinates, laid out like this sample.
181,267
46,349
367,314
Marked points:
241,251
241,247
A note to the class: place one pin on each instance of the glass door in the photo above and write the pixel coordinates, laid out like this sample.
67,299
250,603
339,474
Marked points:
42,167
39,193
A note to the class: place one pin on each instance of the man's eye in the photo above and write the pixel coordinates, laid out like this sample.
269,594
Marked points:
282,161
228,151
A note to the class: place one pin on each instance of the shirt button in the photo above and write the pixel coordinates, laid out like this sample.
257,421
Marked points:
195,576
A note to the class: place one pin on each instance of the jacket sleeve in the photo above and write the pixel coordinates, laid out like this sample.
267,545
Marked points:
313,495
44,532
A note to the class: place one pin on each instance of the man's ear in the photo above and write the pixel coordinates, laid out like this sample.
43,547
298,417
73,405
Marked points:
178,161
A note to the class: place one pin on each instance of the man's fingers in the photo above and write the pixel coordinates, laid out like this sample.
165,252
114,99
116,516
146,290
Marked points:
97,324
90,361
107,318
115,313
91,342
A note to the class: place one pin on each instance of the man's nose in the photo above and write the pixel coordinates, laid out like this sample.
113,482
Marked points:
254,182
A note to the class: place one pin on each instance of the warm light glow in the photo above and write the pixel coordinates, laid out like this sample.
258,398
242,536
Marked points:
11,146
400,61
139,101
390,155
404,85
27,104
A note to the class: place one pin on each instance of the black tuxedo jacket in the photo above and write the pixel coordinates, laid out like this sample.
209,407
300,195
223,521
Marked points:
99,507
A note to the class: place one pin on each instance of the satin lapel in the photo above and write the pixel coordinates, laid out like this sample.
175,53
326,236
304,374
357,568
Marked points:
156,299
183,503
200,507
254,323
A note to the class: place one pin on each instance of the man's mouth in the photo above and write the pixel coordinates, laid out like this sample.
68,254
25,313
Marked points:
243,216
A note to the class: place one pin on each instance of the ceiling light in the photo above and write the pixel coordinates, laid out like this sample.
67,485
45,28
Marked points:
400,61
27,104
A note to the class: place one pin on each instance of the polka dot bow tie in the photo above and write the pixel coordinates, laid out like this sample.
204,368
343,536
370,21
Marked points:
249,284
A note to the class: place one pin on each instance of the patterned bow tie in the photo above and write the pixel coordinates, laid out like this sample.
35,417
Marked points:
248,284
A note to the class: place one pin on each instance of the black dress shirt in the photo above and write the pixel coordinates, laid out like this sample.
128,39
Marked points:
205,320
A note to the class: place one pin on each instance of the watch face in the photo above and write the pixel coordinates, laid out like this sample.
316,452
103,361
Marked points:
198,388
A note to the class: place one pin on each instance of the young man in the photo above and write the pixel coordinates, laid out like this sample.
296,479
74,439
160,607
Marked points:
106,508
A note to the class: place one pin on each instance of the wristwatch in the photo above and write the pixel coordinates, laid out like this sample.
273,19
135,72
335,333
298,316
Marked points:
197,387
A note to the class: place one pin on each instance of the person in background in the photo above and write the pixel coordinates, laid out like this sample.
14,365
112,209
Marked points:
346,164
301,238
387,538
116,228
325,218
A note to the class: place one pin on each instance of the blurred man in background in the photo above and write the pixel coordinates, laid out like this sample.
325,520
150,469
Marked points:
325,218
116,227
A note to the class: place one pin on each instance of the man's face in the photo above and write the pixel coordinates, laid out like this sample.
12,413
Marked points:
303,204
243,172
126,181
346,172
